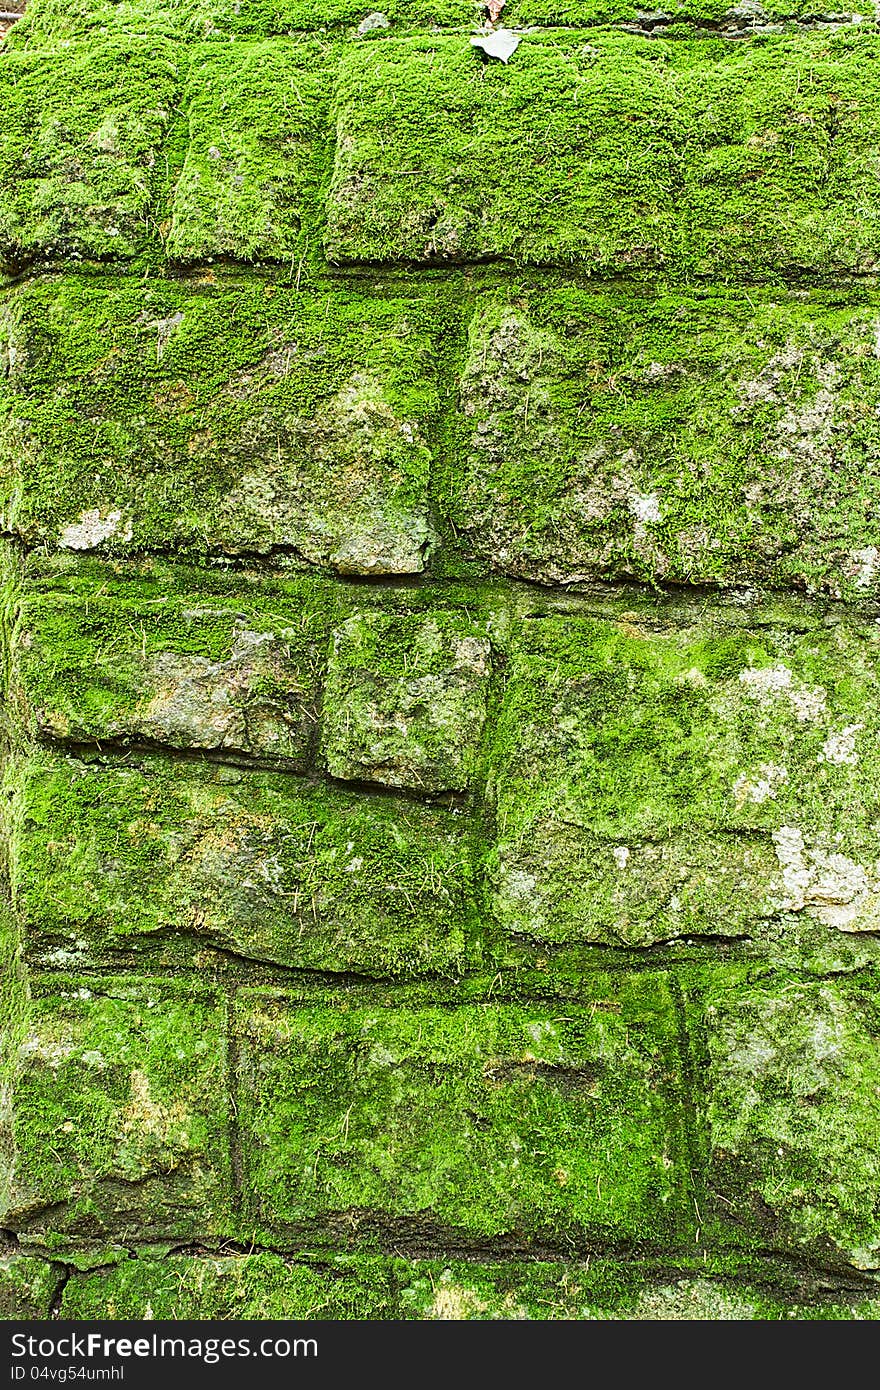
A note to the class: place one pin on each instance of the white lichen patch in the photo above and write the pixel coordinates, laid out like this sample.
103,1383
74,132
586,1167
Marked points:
841,748
761,786
772,684
93,528
145,1116
693,677
827,885
692,1300
863,566
49,1051
645,507
454,1303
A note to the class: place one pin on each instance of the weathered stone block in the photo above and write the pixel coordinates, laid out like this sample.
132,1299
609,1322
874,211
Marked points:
202,22
793,1111
154,856
730,19
242,419
264,1286
235,1287
118,1112
656,782
475,1121
217,662
715,439
27,1287
618,153
258,116
81,147
405,700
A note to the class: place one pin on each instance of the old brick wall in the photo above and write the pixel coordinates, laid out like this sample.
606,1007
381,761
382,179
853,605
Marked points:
440,627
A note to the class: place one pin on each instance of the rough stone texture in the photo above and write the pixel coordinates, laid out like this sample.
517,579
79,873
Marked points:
405,700
690,438
27,1287
147,856
620,154
793,1101
118,1126
81,147
223,419
154,657
653,784
439,601
373,1288
503,1119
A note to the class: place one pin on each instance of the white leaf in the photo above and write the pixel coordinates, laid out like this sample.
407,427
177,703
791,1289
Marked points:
502,44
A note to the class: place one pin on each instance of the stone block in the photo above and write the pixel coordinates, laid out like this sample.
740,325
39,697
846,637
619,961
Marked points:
712,779
155,653
81,148
620,154
793,1107
405,700
118,1112
686,438
153,856
258,116
462,1124
244,419
27,1287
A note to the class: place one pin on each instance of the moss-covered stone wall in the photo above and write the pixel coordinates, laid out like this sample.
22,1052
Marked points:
441,585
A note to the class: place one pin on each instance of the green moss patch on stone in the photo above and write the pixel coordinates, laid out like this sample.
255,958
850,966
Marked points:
374,1288
115,858
258,1286
730,19
258,118
237,669
720,439
651,784
81,147
793,1111
242,418
218,21
405,700
119,1117
27,1287
482,1120
617,153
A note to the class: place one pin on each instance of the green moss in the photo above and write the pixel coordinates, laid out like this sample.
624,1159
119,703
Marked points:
619,154
81,147
115,858
601,1291
655,783
405,700
255,1286
161,657
120,1124
793,1112
220,20
374,1288
242,418
27,1287
13,1009
729,18
720,439
479,1120
258,119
